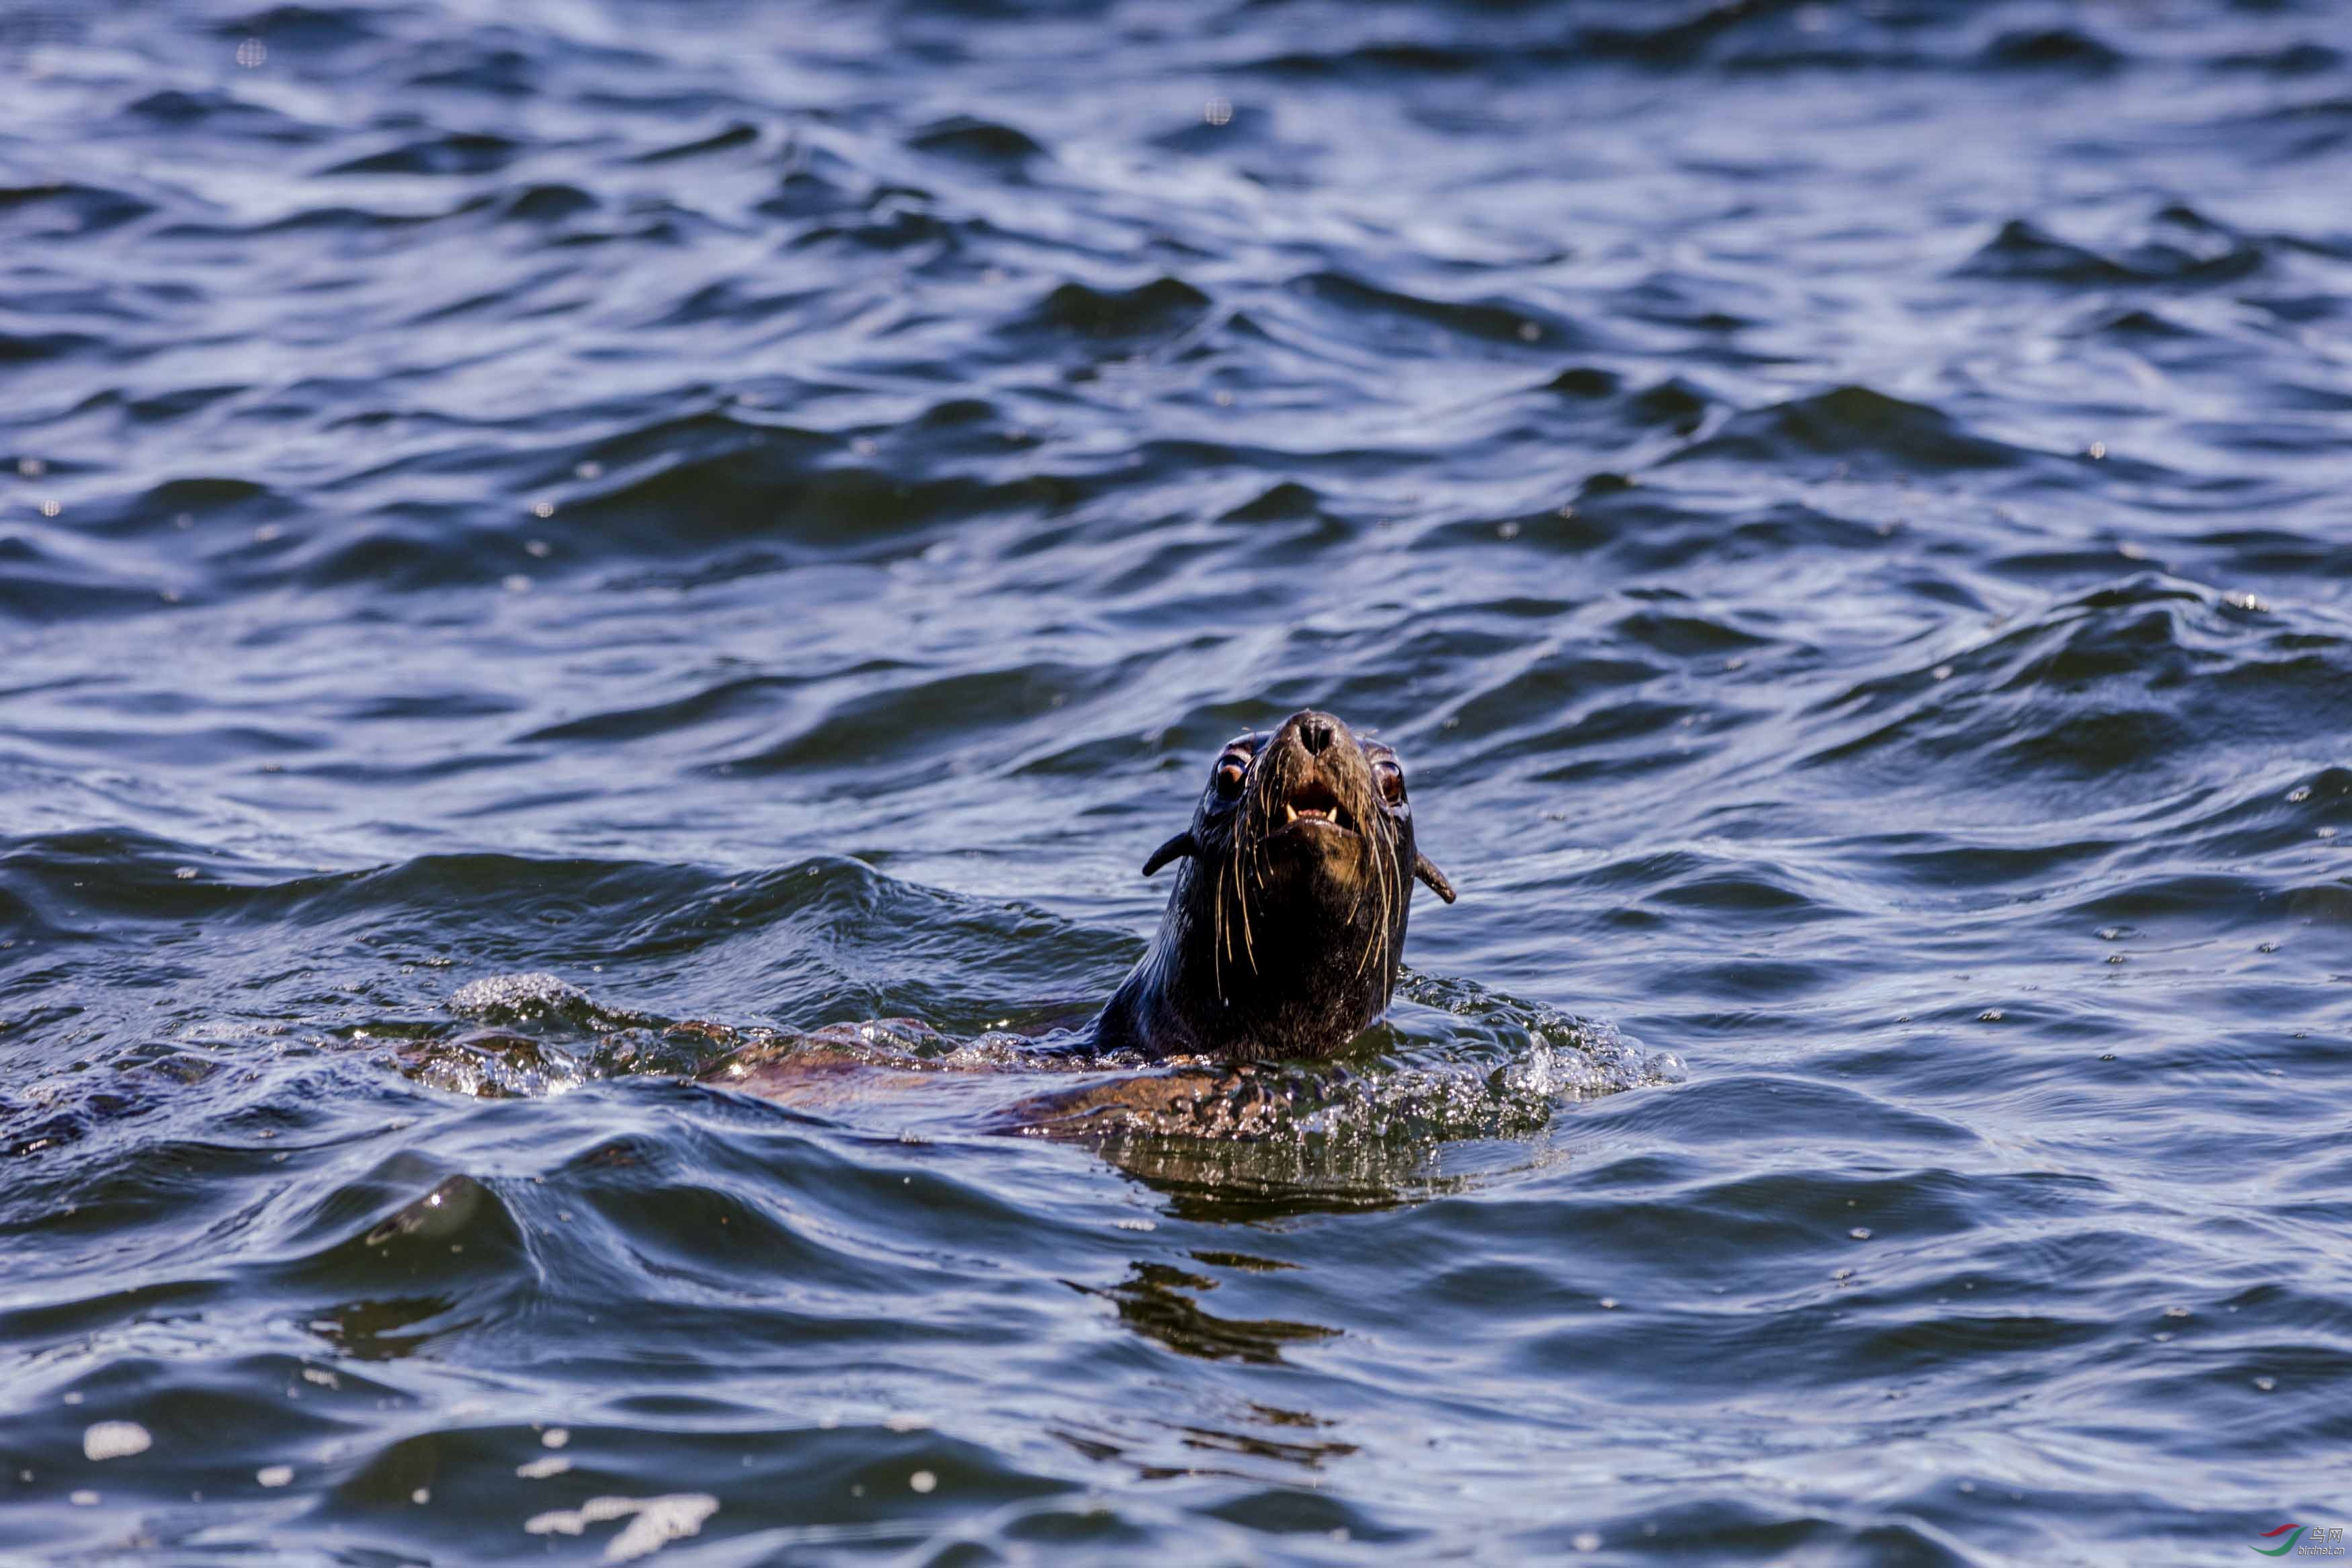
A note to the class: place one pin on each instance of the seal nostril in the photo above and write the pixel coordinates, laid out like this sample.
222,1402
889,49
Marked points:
1315,734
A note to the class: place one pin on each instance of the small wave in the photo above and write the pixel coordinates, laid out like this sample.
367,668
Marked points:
455,153
2181,247
2065,48
1391,313
2139,679
1857,425
981,140
1162,308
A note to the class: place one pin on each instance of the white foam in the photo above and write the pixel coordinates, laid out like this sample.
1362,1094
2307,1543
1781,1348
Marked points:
653,1522
115,1440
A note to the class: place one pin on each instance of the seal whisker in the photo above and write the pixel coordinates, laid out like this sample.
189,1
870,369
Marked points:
1222,938
1381,879
1249,944
1241,894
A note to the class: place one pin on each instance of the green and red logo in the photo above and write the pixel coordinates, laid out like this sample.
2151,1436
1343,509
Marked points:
2303,1540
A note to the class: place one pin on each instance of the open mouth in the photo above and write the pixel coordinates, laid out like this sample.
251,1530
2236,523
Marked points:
1312,802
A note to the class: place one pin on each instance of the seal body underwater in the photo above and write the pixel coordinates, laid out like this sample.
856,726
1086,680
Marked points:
1283,934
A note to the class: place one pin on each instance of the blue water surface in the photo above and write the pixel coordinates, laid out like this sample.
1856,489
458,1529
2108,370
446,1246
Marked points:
764,513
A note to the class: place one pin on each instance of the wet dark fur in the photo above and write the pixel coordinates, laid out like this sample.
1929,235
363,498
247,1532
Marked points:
1281,939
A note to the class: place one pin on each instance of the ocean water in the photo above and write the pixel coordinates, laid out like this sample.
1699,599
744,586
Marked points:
539,540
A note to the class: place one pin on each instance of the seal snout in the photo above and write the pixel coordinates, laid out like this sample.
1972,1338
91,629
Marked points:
1318,784
1312,800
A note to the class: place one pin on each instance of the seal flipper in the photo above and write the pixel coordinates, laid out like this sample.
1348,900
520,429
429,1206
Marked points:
1426,869
1176,848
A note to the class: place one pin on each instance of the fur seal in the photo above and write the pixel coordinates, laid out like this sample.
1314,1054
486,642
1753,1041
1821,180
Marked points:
1286,923
1281,940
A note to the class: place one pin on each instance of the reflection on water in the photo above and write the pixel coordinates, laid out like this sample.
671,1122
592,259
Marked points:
1161,1302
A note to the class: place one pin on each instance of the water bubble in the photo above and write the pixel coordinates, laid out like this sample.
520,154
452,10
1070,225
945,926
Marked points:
537,549
1860,1233
184,520
252,53
1608,1303
590,469
268,533
115,1440
52,507
539,1469
516,583
2098,450
1217,112
1223,398
275,1475
2246,599
31,467
1529,332
2299,794
84,1498
1942,671
543,509
1990,1015
421,1496
923,1480
2266,1384
1506,531
1586,1541
555,1436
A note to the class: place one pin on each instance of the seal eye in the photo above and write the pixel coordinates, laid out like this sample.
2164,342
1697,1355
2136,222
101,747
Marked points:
1230,774
1392,780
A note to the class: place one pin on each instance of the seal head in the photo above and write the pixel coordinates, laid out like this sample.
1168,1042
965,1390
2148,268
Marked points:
1284,931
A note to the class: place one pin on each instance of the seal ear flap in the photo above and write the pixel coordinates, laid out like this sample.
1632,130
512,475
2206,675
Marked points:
1176,849
1423,868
